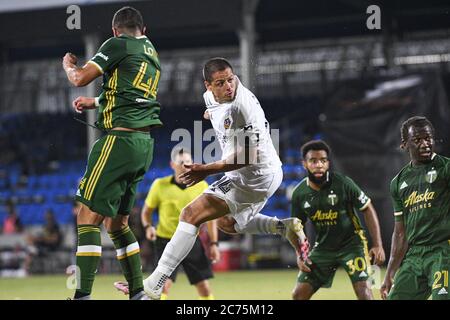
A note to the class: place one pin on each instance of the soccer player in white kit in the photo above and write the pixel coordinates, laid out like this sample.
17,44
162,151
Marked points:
252,174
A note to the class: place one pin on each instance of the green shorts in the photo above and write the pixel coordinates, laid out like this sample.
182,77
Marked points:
424,272
116,163
354,259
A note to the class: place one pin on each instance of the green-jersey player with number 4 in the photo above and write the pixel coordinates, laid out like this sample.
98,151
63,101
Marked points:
330,200
420,249
127,110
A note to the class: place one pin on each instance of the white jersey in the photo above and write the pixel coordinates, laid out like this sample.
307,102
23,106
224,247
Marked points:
240,120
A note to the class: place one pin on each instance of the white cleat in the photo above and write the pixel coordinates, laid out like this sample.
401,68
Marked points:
292,230
154,284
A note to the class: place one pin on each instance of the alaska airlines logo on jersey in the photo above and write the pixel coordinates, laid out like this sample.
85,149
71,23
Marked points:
103,56
416,197
332,199
431,176
320,216
227,123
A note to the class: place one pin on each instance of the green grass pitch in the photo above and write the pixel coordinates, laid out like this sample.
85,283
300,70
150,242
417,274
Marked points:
235,285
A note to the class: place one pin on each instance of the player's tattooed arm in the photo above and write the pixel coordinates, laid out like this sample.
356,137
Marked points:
399,247
79,76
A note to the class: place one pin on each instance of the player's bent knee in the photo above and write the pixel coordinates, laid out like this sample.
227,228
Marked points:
188,215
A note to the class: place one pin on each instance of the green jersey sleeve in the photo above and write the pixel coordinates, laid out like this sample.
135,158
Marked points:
396,201
357,197
111,52
296,206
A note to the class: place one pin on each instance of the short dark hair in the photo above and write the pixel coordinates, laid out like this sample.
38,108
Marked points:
417,122
214,65
128,18
316,145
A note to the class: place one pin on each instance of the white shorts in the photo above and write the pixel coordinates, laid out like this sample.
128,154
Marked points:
246,198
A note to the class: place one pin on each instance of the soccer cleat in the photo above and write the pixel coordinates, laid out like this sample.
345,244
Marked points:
154,284
292,230
122,286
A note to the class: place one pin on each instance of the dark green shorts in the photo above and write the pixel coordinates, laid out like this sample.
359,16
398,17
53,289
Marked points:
116,163
353,259
424,272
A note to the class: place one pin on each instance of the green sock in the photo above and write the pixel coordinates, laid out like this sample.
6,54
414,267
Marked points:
127,249
88,255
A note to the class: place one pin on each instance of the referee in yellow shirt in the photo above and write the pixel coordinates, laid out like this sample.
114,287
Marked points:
170,196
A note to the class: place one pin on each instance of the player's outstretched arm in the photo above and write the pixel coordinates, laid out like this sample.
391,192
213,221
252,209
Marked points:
79,76
399,247
376,252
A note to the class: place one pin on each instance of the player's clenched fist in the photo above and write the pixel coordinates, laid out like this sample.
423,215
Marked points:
83,103
70,58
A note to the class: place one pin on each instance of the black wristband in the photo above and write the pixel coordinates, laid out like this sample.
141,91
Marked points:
216,243
146,226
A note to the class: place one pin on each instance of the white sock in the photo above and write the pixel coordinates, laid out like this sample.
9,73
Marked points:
260,224
178,248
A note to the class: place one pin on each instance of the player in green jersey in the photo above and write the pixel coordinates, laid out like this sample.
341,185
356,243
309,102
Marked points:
420,250
330,200
127,110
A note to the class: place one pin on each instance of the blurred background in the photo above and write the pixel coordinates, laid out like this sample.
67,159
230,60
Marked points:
319,69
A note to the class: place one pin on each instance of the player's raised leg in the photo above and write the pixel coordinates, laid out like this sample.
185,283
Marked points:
204,208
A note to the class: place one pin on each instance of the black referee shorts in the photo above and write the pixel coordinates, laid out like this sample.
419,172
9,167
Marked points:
196,265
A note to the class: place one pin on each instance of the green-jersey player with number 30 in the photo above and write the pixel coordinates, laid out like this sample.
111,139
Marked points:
127,110
330,200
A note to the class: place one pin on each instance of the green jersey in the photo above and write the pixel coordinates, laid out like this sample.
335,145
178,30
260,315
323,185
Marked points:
131,71
332,210
421,197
